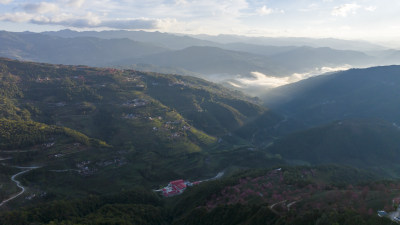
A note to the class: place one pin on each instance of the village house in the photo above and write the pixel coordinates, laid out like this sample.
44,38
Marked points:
129,116
176,187
382,213
136,102
48,145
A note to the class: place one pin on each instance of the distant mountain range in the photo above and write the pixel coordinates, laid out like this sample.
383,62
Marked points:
212,60
166,40
295,41
76,51
177,41
161,52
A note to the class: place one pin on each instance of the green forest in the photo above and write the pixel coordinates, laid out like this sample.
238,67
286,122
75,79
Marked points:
89,146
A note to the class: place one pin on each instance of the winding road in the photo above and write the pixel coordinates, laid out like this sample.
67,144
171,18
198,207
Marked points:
13,178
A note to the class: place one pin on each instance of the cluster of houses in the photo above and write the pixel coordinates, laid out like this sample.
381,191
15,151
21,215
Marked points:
136,102
175,135
49,144
61,104
84,169
129,116
170,124
132,78
42,80
32,196
116,162
177,83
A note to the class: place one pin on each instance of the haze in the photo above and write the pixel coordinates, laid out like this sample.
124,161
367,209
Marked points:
370,20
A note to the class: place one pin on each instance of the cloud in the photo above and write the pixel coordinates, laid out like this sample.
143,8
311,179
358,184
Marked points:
18,17
90,20
262,80
142,23
181,2
40,8
370,8
309,8
75,3
5,2
345,10
264,11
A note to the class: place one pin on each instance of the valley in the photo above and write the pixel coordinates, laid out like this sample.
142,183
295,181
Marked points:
78,129
135,125
187,112
80,144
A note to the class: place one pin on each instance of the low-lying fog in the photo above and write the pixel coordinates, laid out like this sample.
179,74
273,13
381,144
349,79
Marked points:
257,83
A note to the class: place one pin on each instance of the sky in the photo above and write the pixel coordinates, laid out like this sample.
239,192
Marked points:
375,20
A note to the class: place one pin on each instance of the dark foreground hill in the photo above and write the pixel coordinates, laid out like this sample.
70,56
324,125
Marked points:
280,196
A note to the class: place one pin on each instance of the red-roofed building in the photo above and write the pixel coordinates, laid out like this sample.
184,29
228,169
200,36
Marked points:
174,188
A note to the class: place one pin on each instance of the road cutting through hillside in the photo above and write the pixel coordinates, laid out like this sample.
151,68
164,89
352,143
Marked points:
18,183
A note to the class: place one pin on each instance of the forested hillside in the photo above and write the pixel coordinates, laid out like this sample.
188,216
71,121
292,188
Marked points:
90,144
370,93
92,125
280,196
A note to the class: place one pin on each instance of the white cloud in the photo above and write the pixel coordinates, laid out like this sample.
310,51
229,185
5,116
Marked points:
18,17
309,8
263,80
141,23
196,8
42,7
302,18
5,2
370,8
76,3
90,20
345,10
181,2
264,11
